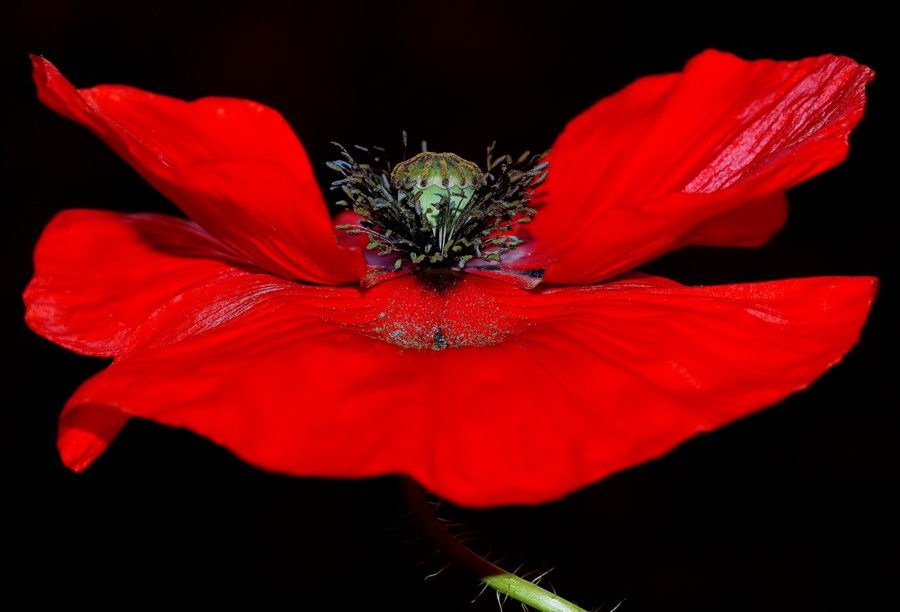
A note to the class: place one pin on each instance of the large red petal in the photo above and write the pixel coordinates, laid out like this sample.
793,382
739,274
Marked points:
100,274
233,166
85,433
748,225
573,384
676,159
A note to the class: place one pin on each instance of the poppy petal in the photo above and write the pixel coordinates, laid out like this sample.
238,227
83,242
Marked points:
85,432
748,225
604,377
234,166
99,274
666,161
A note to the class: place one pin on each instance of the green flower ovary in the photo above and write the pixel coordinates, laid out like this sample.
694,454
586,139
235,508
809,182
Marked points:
430,178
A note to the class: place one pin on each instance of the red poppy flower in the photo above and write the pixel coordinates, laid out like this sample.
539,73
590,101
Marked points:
248,323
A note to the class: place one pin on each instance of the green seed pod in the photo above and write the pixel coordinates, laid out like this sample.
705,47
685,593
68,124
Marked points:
433,178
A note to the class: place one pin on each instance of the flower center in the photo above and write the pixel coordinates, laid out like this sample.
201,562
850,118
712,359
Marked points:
439,309
438,210
435,180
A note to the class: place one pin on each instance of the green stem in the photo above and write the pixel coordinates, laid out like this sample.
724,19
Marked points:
503,582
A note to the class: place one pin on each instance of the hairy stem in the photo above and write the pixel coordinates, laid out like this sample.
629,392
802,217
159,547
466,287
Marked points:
502,581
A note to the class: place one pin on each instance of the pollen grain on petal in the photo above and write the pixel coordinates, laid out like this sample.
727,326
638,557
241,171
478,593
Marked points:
437,311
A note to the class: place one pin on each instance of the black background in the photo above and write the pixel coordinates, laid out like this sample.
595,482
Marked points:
790,509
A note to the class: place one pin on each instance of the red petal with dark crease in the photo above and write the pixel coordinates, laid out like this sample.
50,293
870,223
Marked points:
670,159
100,274
234,166
545,392
85,433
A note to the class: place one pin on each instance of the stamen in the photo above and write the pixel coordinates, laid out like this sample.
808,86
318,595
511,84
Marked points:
439,210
